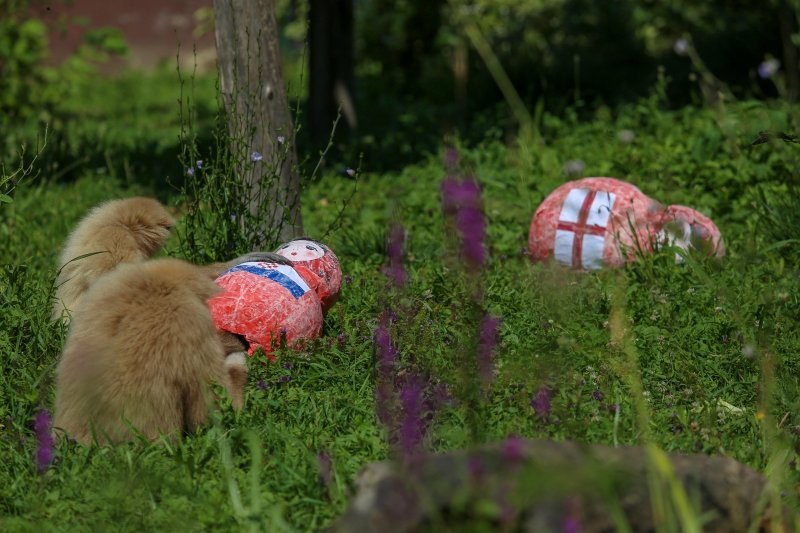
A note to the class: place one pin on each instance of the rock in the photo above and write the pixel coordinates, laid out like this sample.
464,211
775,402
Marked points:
542,485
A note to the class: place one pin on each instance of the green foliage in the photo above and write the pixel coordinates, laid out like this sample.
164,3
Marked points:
715,342
419,74
23,47
33,93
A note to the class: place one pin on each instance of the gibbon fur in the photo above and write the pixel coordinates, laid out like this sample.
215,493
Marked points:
140,355
120,231
143,348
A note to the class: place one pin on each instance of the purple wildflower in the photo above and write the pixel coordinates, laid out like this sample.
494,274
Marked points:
459,193
190,172
285,378
255,156
261,385
325,468
472,227
411,398
598,395
462,199
395,270
348,279
475,467
450,160
513,449
541,401
385,353
681,46
44,450
768,68
490,326
571,522
199,164
341,338
281,139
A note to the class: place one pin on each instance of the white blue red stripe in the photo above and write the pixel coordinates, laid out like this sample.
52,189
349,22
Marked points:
284,275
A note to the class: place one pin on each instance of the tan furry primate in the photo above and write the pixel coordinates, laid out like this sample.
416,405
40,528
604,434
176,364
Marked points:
141,350
115,232
141,354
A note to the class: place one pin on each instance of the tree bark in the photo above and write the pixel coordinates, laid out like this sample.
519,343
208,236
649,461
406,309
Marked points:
257,105
330,43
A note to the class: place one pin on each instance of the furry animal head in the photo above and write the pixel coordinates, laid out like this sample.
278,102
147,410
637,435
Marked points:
115,232
147,219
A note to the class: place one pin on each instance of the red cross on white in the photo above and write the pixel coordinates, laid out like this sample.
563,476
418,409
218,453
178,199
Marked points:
582,223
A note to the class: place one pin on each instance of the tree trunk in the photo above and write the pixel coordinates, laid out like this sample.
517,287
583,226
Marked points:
255,99
330,40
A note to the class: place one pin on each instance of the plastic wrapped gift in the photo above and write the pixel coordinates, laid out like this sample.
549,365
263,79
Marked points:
271,304
595,222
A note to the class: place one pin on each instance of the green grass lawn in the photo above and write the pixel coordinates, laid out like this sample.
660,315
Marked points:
716,343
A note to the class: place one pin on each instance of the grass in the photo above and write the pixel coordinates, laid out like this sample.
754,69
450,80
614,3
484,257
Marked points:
716,342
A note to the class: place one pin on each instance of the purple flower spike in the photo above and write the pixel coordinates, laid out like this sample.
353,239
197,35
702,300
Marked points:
395,270
386,350
462,199
385,354
490,326
571,522
457,194
44,451
325,468
472,227
475,467
541,402
412,428
513,449
450,160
